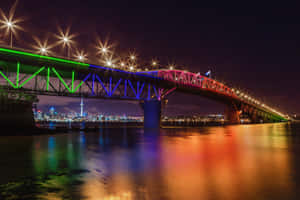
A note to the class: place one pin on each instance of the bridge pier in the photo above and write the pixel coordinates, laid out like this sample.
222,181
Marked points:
16,116
152,114
232,114
254,117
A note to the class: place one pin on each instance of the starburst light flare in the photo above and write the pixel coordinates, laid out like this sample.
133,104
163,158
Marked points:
42,48
80,56
65,38
11,24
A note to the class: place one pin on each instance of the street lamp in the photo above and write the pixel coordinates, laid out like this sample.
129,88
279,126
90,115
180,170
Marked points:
154,63
65,38
104,47
10,24
80,56
108,63
43,50
132,57
66,44
42,47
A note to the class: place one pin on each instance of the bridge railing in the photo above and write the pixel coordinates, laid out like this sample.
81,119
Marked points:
188,79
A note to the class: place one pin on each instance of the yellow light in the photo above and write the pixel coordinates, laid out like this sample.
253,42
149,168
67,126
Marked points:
154,63
171,67
80,55
132,57
9,24
131,68
122,64
65,39
104,46
108,63
42,47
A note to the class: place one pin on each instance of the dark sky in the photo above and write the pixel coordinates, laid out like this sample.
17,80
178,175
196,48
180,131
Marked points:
254,46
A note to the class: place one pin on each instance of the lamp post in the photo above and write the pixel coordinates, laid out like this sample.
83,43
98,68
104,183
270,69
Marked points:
65,38
9,23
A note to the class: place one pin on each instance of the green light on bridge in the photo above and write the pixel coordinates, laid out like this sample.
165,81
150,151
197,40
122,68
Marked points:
43,57
72,89
18,85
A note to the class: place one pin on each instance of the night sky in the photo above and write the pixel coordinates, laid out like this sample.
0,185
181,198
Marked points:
255,47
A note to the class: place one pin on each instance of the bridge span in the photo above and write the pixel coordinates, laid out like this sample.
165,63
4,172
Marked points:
22,72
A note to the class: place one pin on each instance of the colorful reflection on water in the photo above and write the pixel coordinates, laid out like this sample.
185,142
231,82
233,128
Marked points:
232,162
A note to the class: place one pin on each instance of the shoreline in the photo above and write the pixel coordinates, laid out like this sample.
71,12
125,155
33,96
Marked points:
46,130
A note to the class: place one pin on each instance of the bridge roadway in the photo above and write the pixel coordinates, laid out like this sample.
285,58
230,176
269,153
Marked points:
28,73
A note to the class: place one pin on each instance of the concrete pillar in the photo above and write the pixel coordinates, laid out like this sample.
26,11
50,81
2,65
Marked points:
152,114
16,116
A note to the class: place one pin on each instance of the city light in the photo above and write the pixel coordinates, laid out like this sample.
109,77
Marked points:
171,67
10,24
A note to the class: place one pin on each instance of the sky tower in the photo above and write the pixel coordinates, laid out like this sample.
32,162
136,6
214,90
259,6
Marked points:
81,107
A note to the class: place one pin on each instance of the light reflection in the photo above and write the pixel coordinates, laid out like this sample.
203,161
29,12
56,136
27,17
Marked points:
233,162
225,163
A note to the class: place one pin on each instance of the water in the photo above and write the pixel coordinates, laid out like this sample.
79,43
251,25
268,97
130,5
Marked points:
232,162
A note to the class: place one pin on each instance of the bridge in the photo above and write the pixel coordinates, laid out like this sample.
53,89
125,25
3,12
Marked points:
24,75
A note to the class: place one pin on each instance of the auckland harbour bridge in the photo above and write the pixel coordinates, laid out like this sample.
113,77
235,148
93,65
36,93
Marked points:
24,75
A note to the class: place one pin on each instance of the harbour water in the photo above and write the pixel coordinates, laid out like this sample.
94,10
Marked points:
232,162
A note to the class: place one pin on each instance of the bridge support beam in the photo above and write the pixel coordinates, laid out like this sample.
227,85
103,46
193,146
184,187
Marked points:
232,114
152,114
